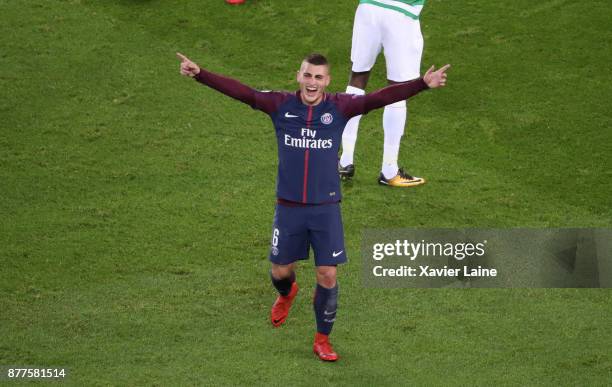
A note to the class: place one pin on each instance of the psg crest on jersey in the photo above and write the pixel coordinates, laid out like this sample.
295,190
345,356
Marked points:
327,118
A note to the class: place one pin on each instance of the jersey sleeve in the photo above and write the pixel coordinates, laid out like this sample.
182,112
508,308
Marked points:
267,102
227,86
354,105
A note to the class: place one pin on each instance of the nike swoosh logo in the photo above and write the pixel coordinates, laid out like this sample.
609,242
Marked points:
334,254
328,314
290,115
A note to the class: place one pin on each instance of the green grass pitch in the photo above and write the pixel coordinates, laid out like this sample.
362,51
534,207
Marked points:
136,205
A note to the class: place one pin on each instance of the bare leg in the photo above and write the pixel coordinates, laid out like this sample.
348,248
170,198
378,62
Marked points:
282,271
326,276
359,80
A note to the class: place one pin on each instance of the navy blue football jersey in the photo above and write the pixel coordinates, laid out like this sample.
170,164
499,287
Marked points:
309,136
308,139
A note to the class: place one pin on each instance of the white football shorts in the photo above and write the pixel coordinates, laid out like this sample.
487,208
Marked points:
399,36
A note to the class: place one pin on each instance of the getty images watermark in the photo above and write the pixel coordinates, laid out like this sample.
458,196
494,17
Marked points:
413,250
487,258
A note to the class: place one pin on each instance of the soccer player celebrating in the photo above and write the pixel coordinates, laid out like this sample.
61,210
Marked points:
309,125
392,25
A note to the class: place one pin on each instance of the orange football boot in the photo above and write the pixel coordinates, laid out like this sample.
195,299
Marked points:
323,349
282,305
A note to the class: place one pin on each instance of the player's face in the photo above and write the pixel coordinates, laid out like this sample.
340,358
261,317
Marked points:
313,80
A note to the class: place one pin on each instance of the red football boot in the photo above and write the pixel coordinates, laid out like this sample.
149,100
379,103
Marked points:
234,2
280,309
323,349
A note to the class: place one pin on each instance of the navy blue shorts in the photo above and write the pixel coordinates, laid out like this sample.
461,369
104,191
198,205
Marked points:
295,229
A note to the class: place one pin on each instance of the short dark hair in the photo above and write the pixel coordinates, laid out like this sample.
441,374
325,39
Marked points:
316,59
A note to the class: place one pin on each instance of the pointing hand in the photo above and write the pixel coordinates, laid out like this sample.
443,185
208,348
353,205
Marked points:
188,68
436,78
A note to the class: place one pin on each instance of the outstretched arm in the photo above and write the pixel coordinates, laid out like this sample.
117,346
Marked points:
398,92
225,85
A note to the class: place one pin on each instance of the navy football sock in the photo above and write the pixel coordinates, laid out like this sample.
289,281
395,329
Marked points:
325,303
283,285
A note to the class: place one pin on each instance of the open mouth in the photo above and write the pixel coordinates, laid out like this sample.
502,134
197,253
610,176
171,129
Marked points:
311,91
